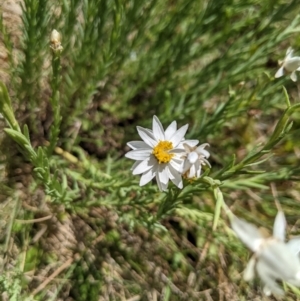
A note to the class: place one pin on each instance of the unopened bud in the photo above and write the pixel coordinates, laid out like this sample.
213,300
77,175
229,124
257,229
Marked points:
55,41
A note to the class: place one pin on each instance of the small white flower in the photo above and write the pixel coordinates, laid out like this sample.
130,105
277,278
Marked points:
194,158
159,154
273,259
290,64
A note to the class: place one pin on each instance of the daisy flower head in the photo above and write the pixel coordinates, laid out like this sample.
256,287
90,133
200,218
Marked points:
290,64
159,155
194,158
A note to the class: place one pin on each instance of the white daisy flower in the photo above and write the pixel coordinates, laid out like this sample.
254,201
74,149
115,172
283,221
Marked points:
290,64
273,259
194,158
159,154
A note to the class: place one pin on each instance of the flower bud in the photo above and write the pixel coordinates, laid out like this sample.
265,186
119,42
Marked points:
55,41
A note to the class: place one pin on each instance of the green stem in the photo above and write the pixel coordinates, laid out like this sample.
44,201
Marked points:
9,228
55,102
6,108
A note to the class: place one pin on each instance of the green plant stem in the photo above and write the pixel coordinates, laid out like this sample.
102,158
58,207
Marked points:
6,108
9,229
55,101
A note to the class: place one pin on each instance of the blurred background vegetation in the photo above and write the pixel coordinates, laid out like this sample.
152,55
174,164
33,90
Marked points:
74,224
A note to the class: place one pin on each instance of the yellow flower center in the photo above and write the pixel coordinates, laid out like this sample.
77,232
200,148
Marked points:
160,151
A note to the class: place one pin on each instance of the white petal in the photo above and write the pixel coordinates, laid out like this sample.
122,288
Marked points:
267,291
192,172
203,145
179,135
138,154
247,233
161,186
158,130
204,153
281,261
163,174
294,245
187,147
136,163
205,162
249,272
177,165
147,177
193,157
176,151
263,270
144,166
147,136
170,131
200,150
292,64
177,160
170,175
289,53
280,72
293,76
186,166
191,143
279,226
198,169
137,144
175,177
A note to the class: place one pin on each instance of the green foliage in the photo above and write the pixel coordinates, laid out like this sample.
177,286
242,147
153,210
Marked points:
71,105
11,284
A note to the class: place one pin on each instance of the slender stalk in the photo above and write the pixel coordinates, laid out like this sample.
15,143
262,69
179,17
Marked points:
55,85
